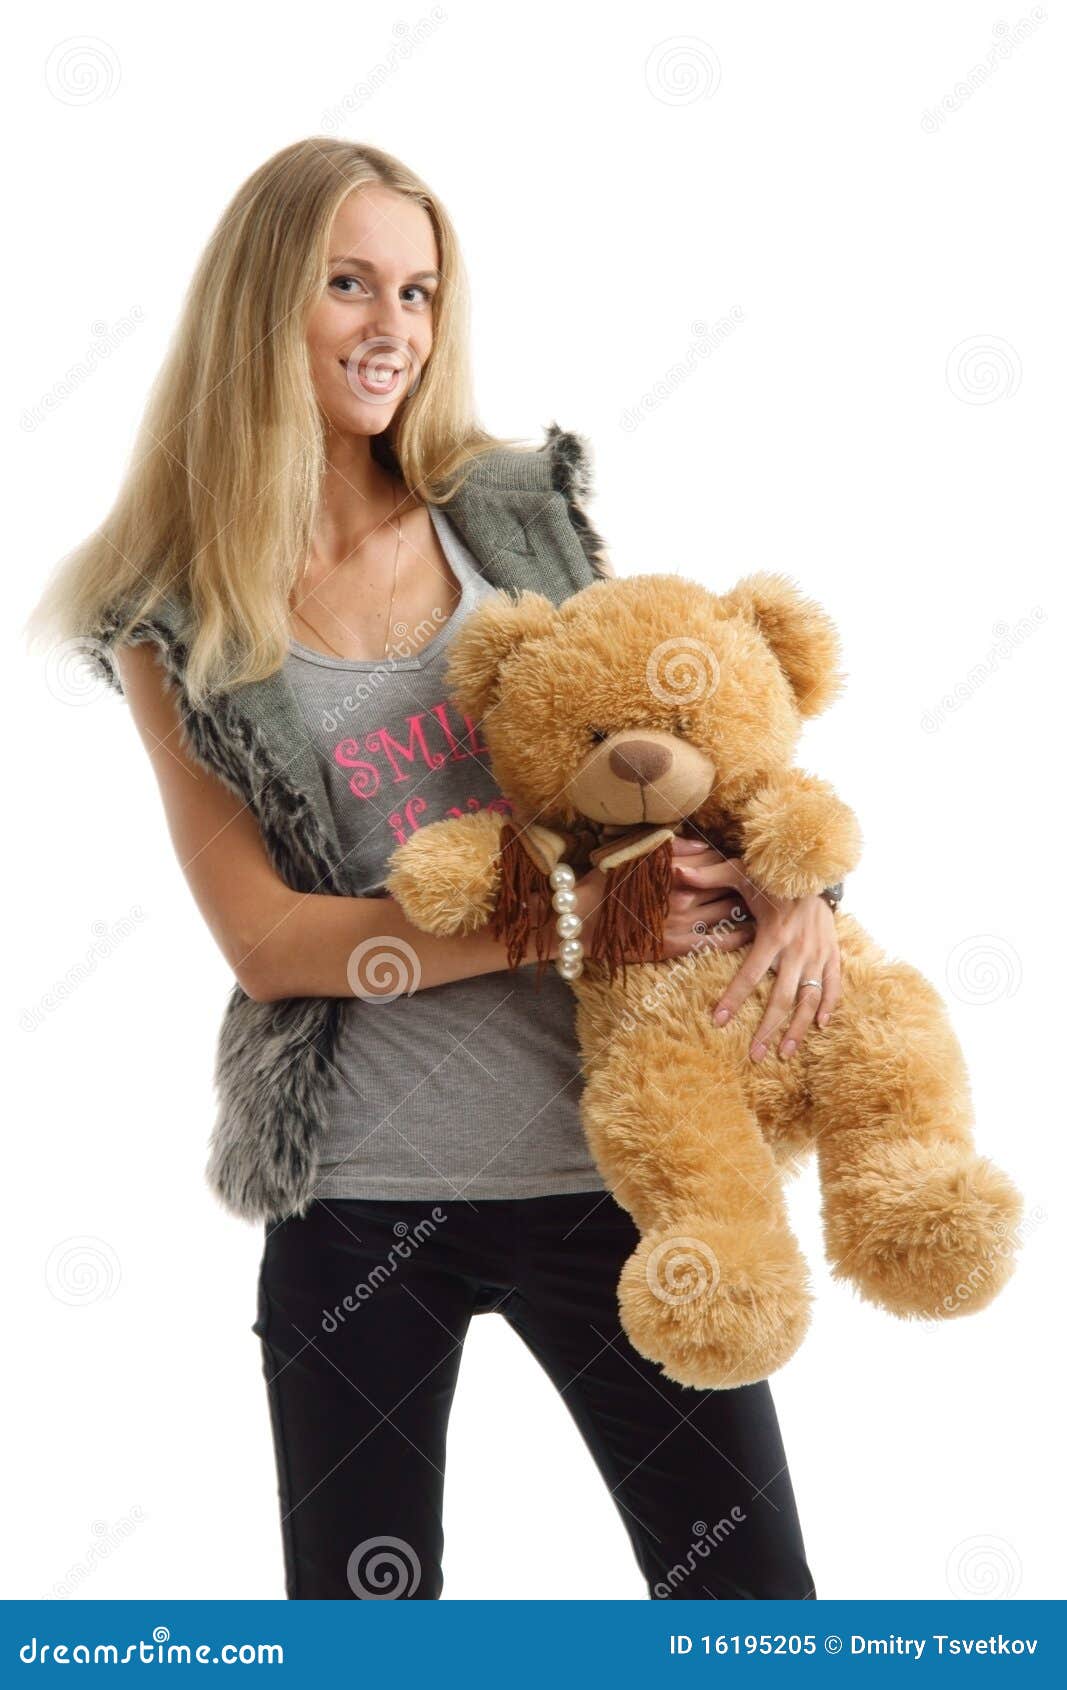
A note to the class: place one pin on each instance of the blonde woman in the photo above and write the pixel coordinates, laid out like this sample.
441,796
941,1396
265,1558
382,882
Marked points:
310,514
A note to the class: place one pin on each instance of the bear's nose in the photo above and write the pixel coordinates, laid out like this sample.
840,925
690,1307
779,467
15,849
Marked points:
640,760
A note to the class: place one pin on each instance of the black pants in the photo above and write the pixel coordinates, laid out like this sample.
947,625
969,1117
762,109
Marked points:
363,1308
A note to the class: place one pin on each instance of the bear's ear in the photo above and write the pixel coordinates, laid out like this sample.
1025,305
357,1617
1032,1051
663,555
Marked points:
488,637
798,631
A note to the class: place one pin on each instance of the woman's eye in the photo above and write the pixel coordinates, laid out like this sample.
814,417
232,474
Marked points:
346,285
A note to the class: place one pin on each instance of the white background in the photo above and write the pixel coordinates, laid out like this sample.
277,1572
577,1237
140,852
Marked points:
618,175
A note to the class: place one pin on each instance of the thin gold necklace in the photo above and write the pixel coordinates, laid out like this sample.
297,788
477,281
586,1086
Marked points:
392,595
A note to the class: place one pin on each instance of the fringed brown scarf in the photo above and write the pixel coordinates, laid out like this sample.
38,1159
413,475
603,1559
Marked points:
629,921
522,885
636,899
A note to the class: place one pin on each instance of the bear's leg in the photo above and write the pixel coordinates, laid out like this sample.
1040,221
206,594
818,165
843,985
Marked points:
717,1291
913,1216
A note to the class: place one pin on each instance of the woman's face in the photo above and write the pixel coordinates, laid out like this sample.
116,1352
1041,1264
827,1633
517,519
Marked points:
370,333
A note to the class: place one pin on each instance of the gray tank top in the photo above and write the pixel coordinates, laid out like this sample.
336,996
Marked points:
468,1089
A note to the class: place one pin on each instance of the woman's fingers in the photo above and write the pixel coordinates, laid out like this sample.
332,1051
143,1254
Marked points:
808,1000
778,1009
831,988
744,981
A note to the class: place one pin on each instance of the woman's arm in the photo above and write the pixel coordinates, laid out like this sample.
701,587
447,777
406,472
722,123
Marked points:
279,943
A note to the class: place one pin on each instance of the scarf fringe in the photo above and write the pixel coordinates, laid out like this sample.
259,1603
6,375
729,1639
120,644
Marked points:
521,883
636,900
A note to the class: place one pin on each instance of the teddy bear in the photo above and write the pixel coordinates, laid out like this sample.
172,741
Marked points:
646,706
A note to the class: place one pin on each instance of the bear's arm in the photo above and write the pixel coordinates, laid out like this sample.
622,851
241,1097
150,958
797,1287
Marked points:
447,875
797,836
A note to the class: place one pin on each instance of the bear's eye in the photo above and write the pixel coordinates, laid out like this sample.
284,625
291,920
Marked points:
598,735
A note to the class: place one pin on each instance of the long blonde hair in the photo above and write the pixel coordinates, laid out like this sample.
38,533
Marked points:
218,505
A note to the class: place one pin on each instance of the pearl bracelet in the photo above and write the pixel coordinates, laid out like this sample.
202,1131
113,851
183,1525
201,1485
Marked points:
568,921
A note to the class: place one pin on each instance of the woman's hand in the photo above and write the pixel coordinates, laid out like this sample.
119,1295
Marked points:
795,939
709,915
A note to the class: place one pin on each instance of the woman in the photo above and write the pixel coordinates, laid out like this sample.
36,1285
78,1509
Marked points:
310,515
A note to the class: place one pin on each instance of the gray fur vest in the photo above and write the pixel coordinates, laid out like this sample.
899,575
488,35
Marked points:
520,515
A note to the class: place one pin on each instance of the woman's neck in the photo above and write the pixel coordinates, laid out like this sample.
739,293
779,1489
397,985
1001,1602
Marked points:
358,497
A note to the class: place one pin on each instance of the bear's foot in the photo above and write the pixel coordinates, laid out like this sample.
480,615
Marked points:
925,1231
715,1304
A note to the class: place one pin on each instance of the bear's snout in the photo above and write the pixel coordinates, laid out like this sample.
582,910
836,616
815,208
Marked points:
640,760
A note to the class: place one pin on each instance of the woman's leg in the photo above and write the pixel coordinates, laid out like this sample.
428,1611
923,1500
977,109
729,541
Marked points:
699,1477
361,1347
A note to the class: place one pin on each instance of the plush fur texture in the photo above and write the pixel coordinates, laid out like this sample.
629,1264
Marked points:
650,701
274,1061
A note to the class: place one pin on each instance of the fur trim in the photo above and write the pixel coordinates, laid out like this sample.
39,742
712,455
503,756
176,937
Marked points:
570,458
273,1060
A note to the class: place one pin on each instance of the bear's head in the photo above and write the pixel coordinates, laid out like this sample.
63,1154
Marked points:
642,700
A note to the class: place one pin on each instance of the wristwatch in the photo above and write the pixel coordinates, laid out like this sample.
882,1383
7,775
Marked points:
833,894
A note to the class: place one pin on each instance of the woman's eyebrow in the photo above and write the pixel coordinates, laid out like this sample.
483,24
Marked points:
365,264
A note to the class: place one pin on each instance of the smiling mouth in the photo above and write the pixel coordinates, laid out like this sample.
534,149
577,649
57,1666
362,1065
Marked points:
373,374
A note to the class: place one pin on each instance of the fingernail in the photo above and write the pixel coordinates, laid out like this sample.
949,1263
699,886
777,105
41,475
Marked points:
758,1052
824,1018
721,1017
789,1047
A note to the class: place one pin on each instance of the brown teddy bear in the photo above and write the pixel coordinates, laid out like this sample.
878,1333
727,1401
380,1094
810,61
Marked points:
639,708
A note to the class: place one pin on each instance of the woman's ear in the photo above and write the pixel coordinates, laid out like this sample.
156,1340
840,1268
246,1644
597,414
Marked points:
489,636
798,631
